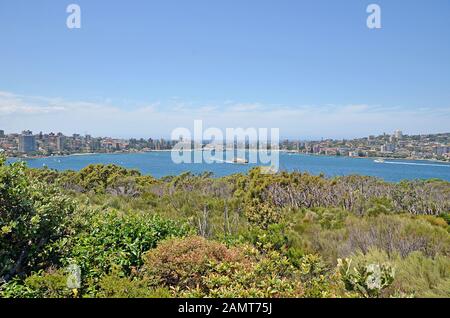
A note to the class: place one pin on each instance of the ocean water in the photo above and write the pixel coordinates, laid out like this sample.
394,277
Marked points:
159,164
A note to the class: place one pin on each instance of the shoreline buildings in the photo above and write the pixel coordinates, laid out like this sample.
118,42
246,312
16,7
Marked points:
27,142
396,145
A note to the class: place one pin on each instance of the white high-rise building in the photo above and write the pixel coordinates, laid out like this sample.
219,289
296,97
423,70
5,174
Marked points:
398,134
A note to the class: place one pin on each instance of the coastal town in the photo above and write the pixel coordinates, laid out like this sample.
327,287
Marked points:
396,145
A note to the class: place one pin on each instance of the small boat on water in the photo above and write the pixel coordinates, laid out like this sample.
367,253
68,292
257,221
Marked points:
379,160
240,161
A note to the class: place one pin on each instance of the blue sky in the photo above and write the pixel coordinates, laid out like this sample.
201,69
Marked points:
142,68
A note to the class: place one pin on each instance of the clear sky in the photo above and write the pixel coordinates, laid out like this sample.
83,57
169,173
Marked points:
144,67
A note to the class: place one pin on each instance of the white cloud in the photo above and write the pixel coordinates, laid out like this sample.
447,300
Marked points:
246,107
18,112
11,104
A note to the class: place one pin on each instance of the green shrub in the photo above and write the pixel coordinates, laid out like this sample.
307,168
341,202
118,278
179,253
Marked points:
115,239
262,214
195,267
115,285
32,216
416,275
390,233
48,284
434,220
368,280
274,237
102,178
379,205
16,289
327,218
446,217
271,275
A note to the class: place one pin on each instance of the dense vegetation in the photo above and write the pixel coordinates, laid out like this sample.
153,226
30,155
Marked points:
255,235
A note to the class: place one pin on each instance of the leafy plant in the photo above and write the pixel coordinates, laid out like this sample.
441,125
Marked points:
116,239
32,216
367,280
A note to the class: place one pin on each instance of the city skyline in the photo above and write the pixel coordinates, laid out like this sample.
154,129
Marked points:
396,145
4,132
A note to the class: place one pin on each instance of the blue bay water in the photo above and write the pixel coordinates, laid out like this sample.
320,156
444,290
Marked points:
159,164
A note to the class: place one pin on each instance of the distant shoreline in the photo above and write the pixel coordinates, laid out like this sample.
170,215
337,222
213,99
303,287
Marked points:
373,158
191,150
79,154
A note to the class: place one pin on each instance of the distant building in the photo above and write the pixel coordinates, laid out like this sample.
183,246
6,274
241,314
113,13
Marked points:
343,151
388,148
27,142
95,145
398,134
2,134
441,150
392,139
331,151
60,143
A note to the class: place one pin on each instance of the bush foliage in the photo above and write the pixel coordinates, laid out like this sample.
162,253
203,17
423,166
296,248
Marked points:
254,235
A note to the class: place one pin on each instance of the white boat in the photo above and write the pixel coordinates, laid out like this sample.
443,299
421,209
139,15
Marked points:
379,161
240,161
